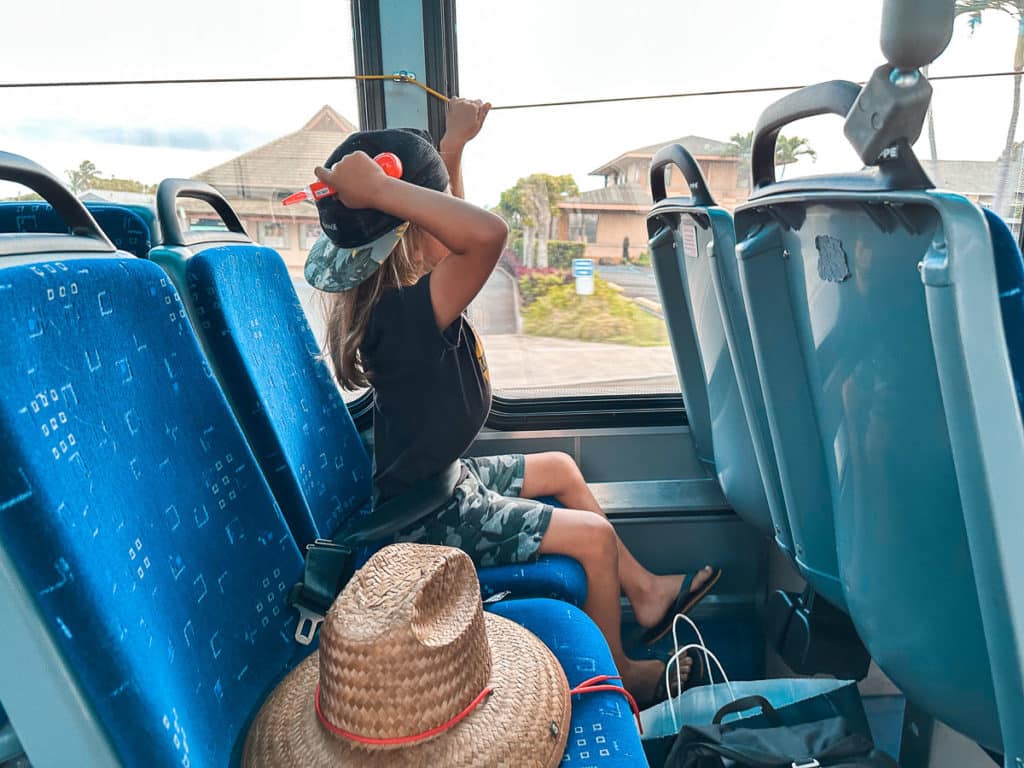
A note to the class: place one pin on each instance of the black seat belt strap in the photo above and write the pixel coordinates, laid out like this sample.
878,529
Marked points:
331,563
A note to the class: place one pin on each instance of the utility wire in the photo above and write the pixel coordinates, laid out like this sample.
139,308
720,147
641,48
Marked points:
409,79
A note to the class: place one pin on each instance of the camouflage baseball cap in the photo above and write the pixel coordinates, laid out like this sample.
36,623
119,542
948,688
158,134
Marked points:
355,242
334,269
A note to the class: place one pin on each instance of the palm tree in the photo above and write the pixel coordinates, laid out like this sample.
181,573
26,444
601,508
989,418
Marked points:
788,149
1015,9
83,177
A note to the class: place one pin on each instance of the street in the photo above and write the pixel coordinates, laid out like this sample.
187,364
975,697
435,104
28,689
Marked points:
636,282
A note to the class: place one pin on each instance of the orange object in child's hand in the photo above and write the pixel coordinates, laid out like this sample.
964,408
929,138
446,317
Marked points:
389,162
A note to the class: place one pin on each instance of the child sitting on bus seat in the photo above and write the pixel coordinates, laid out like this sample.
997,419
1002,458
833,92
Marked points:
403,259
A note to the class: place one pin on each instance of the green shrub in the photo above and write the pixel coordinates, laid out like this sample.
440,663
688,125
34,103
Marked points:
643,260
604,316
561,253
535,283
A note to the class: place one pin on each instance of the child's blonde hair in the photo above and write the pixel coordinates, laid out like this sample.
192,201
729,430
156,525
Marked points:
348,313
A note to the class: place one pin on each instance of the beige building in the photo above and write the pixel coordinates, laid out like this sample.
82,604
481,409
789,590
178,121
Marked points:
605,218
256,182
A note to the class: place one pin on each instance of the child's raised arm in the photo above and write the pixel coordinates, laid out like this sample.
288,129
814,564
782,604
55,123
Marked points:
473,236
464,121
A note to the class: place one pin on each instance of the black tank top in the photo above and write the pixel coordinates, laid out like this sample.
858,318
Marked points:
432,390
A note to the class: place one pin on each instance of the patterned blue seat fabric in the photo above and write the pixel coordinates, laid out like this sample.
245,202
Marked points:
256,333
133,517
1010,278
603,731
553,576
125,227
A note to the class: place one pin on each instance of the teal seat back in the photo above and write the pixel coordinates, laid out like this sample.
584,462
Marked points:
981,385
840,326
687,237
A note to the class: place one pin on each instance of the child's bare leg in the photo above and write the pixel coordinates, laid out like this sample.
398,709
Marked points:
556,474
592,541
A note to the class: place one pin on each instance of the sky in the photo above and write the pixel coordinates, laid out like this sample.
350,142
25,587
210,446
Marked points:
511,52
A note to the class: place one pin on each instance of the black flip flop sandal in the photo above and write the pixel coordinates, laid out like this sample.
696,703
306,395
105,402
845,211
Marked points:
696,677
684,603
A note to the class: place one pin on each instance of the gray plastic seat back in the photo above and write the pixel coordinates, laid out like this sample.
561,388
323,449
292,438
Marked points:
840,326
687,234
981,387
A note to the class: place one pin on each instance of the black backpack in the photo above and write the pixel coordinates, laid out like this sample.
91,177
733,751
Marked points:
826,743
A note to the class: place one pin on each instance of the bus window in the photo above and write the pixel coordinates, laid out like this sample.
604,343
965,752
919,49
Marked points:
571,178
255,141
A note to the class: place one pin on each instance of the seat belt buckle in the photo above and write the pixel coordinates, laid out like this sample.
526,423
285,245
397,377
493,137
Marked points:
812,763
309,618
309,623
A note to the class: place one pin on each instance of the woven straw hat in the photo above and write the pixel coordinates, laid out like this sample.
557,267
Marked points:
407,657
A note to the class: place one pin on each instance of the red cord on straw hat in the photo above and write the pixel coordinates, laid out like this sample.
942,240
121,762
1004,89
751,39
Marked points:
595,684
390,742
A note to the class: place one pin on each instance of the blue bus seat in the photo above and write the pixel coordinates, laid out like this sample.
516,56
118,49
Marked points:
603,732
840,326
130,228
145,565
220,647
711,343
285,397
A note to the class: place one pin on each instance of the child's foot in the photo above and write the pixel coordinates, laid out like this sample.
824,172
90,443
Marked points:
646,680
650,608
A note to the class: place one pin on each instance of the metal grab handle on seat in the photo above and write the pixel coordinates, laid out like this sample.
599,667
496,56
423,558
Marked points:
679,156
167,195
21,170
835,97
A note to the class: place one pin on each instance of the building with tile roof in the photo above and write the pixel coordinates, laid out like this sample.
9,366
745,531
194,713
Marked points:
607,219
255,183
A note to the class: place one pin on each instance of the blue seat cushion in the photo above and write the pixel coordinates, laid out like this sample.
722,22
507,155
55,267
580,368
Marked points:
1010,279
558,577
134,514
125,227
603,732
554,576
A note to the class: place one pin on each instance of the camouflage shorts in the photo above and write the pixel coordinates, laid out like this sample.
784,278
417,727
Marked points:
485,517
